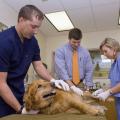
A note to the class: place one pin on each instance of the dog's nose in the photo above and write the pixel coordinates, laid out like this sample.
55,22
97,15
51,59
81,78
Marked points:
53,85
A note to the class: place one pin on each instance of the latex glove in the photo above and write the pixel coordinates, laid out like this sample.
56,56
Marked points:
60,84
97,92
104,95
76,90
29,112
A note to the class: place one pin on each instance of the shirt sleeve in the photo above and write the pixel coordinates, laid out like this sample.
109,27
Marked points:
60,68
89,71
36,56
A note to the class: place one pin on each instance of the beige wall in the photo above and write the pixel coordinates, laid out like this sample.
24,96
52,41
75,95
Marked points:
51,44
42,44
90,40
93,39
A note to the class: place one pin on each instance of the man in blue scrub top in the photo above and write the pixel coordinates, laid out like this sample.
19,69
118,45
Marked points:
18,49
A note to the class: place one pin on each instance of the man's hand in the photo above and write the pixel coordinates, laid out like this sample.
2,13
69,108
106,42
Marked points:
60,84
76,90
97,92
104,95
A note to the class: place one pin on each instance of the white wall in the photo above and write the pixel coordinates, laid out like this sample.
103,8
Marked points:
90,40
7,15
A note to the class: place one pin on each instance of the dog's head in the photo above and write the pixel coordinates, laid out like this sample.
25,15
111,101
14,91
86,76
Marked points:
38,95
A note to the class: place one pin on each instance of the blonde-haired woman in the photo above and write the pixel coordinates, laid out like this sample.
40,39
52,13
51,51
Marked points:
111,49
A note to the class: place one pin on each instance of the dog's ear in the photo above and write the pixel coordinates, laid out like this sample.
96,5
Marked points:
29,95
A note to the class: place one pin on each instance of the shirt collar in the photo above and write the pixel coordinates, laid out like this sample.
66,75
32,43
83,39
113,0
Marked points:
69,46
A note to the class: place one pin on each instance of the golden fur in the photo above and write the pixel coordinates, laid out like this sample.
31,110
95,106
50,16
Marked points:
41,95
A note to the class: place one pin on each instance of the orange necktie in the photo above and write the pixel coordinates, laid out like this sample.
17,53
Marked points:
75,68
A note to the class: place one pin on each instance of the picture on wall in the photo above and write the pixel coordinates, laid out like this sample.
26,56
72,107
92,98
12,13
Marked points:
101,64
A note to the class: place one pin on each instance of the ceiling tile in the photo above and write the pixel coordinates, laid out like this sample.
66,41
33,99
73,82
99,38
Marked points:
48,5
17,4
74,4
102,2
106,16
82,18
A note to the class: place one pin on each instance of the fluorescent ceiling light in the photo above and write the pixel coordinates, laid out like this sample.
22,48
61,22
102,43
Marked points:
60,20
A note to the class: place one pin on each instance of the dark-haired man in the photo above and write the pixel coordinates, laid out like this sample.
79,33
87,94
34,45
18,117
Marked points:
64,66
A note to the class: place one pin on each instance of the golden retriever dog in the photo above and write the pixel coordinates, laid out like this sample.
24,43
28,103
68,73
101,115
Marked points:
45,98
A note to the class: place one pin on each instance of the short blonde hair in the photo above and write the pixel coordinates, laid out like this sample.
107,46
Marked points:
110,43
